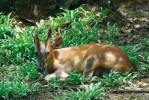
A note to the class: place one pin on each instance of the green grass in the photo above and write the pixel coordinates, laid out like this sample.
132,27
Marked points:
18,48
74,79
14,80
5,30
14,88
94,90
18,65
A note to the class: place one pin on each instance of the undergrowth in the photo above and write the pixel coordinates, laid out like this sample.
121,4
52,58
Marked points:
18,65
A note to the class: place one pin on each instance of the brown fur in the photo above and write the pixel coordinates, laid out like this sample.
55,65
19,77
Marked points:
88,59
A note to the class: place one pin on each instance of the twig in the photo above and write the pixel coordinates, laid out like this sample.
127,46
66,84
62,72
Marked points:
130,91
40,79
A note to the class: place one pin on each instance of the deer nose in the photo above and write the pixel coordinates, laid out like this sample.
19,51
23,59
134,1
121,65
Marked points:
40,69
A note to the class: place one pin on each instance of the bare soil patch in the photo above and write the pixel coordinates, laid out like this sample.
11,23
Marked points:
136,90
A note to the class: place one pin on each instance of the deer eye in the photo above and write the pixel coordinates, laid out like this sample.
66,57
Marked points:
36,53
47,53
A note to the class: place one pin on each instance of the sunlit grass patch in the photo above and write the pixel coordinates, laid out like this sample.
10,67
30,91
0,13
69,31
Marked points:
93,91
18,48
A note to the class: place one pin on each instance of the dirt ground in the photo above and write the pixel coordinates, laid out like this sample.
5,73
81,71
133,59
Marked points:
136,90
131,96
135,25
137,13
133,19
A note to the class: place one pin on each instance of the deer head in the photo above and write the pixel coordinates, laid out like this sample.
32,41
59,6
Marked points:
43,49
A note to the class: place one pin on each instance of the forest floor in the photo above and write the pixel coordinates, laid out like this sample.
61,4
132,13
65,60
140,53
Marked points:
133,20
135,23
137,90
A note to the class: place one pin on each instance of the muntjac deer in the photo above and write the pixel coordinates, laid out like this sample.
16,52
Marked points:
89,59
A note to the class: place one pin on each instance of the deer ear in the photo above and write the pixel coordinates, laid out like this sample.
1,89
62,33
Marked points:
57,42
36,40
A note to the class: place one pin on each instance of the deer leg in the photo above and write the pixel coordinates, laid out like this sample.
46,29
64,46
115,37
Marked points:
92,68
88,71
47,78
59,73
63,75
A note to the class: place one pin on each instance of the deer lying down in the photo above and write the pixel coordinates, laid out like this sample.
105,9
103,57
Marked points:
88,59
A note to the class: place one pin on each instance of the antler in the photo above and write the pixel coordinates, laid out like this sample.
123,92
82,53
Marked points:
36,39
48,37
